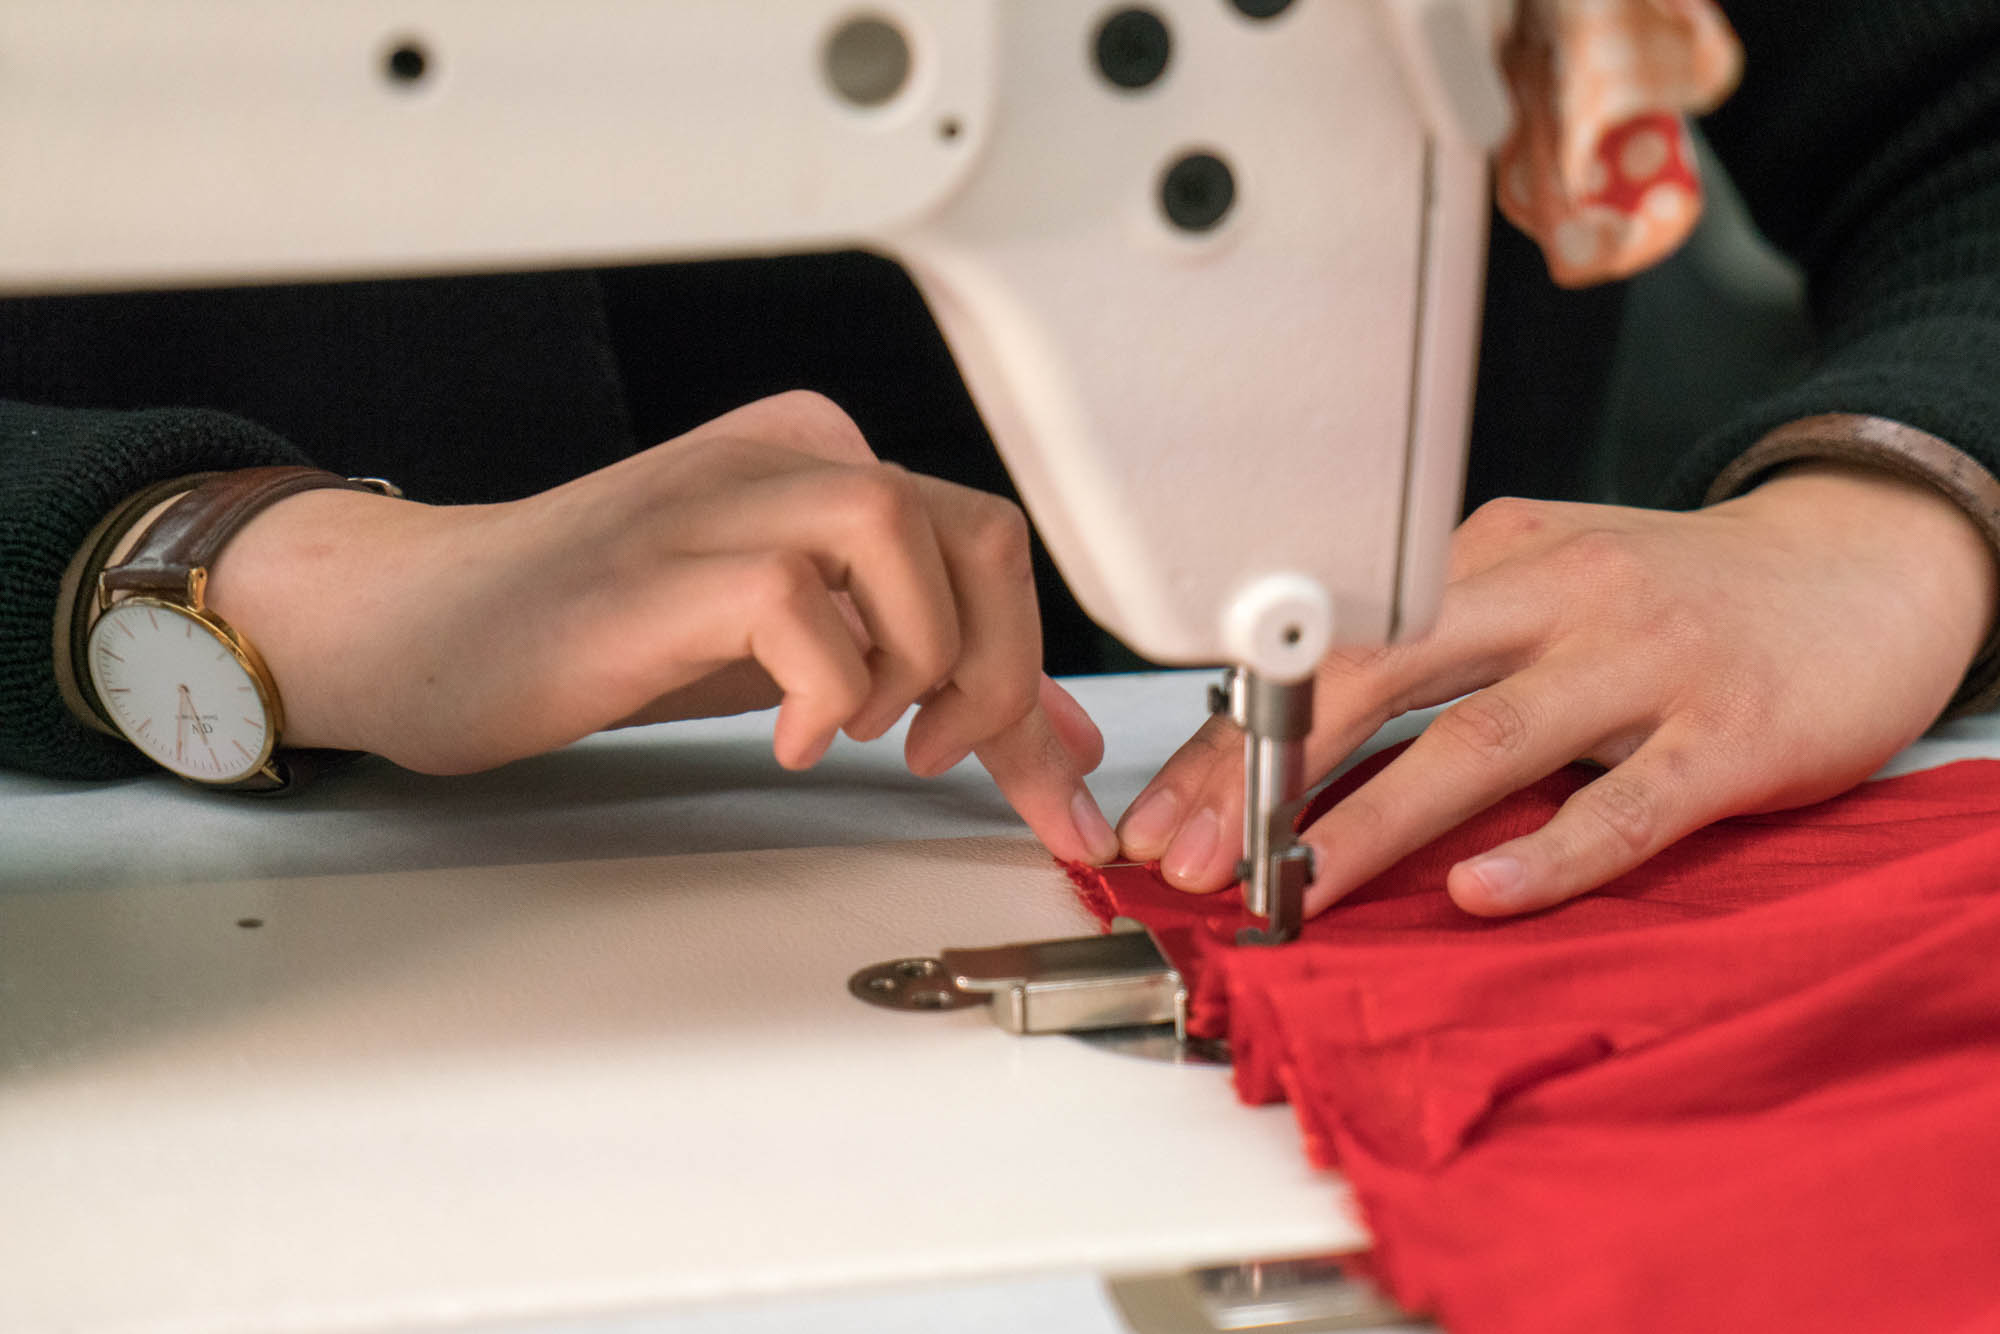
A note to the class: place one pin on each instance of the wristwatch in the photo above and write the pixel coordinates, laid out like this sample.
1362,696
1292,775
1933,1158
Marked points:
171,676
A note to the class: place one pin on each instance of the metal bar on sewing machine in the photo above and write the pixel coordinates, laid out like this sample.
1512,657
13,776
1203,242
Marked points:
1275,718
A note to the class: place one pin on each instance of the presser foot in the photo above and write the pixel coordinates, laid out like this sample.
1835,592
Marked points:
1288,873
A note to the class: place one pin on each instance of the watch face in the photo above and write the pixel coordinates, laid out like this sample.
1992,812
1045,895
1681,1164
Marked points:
180,691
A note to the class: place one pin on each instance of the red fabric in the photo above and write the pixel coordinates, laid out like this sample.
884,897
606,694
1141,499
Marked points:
1753,1085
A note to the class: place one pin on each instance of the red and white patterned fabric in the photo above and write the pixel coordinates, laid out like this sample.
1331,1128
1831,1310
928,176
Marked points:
1599,168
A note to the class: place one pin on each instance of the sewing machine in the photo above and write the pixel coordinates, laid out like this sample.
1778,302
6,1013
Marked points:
1211,269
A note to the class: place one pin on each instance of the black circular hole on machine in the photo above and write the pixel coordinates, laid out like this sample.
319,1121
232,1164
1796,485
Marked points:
1133,46
1197,192
1261,9
407,62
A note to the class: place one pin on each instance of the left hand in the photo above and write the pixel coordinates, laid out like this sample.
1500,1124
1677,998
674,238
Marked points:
763,558
1762,654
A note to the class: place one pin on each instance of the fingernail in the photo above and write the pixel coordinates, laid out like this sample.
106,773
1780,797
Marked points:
1193,849
1091,826
812,754
941,764
1150,823
865,729
872,723
1503,876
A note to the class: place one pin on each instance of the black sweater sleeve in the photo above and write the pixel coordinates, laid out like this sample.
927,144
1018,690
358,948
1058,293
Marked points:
472,388
61,470
1866,139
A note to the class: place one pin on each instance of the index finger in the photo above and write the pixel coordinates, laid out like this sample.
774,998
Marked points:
995,677
1039,764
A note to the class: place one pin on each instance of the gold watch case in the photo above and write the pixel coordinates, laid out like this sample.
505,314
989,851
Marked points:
152,656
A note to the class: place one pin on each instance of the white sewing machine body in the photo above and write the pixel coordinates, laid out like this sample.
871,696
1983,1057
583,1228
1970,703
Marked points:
1235,399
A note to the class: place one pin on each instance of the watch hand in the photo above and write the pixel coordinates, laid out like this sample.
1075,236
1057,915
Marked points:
181,713
199,730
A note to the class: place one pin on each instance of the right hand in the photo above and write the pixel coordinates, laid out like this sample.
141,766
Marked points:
766,557
1762,654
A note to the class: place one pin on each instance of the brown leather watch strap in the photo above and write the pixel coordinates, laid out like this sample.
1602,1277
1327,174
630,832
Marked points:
76,600
195,528
290,770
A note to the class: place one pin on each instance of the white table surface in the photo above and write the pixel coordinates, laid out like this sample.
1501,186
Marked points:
571,1042
568,1044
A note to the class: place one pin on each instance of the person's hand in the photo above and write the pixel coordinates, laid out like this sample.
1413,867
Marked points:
765,558
1763,654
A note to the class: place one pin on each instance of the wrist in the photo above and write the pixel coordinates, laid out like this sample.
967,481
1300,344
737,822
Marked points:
302,581
1942,558
1879,448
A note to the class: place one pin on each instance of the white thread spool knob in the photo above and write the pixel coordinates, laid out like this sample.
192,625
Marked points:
1279,626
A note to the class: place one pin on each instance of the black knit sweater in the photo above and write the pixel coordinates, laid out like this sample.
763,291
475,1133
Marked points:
1865,138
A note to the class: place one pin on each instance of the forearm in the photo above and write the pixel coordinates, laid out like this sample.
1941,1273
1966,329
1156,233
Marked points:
1863,141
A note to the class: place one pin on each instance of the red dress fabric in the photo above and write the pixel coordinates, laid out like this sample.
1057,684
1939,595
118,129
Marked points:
1755,1084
